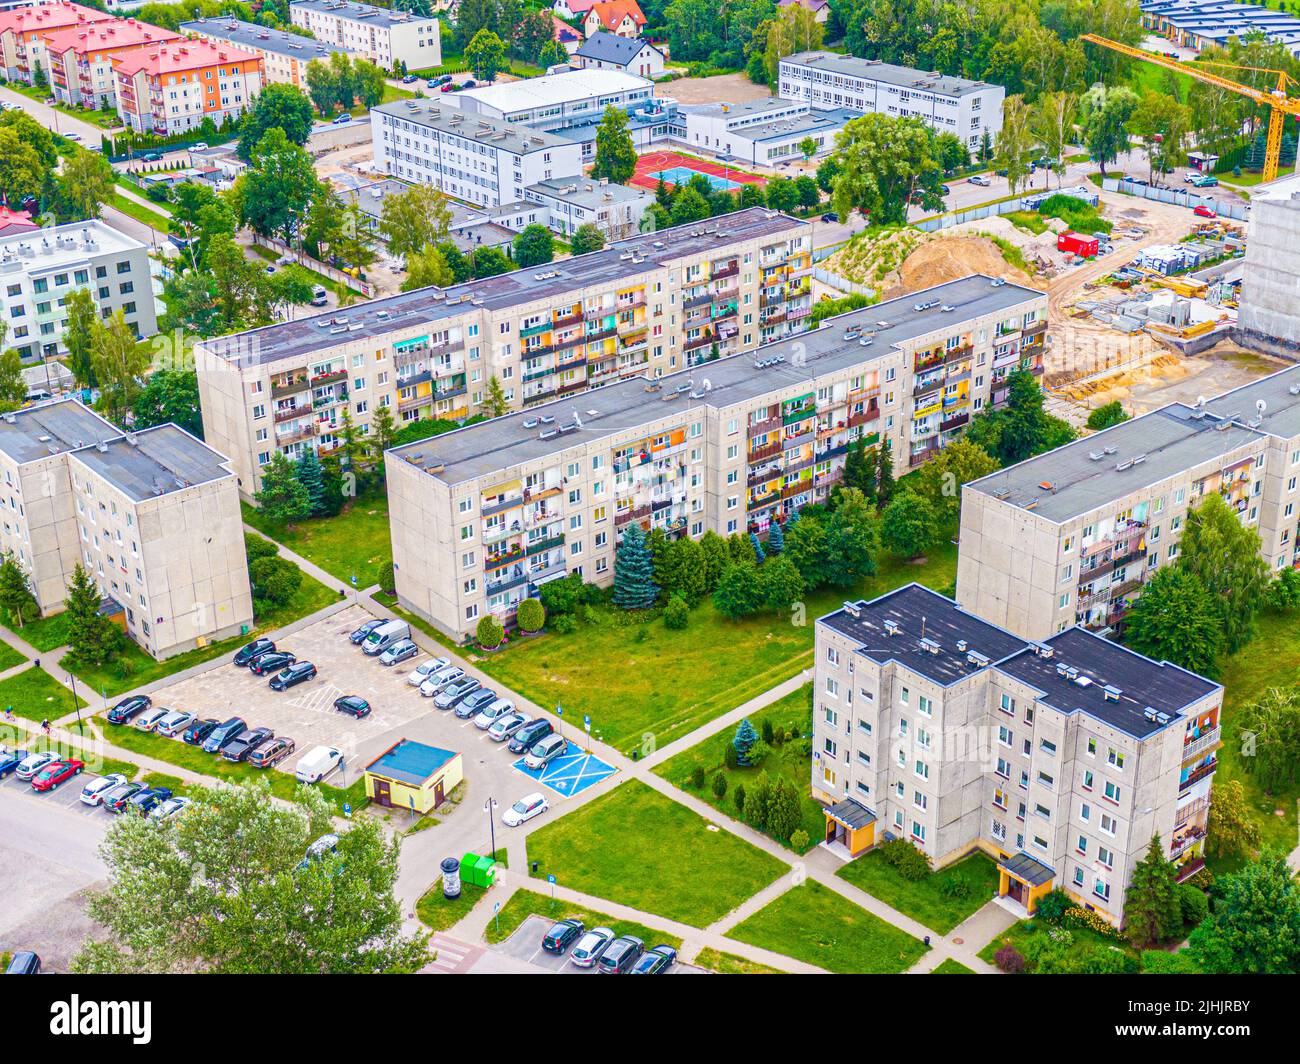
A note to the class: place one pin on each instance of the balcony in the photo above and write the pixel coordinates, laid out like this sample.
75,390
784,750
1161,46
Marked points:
287,388
1184,840
508,503
730,270
540,545
758,428
513,555
635,514
763,477
1198,774
1189,868
769,450
506,582
863,416
1208,741
497,533
954,422
289,413
304,433
329,378
1036,328
801,413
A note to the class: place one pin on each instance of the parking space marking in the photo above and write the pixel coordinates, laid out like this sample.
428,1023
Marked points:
571,773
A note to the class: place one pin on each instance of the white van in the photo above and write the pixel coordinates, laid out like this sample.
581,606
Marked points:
385,636
317,763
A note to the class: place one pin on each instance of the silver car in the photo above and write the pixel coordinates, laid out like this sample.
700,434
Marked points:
503,727
589,948
441,679
453,693
151,718
174,723
426,669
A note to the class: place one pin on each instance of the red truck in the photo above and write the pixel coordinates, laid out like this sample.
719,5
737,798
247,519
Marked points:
1077,244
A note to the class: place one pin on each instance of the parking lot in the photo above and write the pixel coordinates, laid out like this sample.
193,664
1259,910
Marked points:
526,945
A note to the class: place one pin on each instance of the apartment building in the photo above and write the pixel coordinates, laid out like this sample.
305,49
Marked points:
81,59
1091,521
616,210
482,161
284,55
483,515
23,31
175,87
153,516
647,306
38,269
385,37
761,132
1061,759
826,80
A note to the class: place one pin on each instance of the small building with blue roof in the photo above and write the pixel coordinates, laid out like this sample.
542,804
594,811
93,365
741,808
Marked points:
414,776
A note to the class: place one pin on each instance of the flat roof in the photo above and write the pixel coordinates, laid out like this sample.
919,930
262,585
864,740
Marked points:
39,431
1028,869
482,449
552,90
1280,394
62,245
904,77
410,762
584,192
429,306
1084,475
375,16
494,132
251,35
802,125
155,462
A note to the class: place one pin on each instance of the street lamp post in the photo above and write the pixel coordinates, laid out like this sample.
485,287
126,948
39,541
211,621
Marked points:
76,702
488,807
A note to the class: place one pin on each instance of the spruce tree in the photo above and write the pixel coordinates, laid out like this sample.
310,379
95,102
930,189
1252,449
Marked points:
744,740
885,475
758,548
92,637
775,538
634,585
311,478
1152,912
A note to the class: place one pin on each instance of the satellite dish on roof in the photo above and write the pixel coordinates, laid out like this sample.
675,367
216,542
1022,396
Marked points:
1260,405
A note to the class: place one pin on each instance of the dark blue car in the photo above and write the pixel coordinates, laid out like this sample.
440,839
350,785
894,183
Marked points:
144,801
10,760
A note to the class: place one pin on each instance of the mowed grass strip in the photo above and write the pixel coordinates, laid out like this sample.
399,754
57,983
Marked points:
526,903
928,901
639,848
36,695
356,542
813,924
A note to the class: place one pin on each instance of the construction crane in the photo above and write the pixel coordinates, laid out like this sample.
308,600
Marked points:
1277,101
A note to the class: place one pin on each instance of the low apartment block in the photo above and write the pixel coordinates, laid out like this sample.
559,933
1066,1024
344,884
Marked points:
827,80
23,32
571,202
641,307
1092,520
176,86
39,269
1060,759
153,516
81,59
484,515
379,34
284,55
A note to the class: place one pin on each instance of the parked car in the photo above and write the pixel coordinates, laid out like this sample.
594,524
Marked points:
295,674
93,792
471,706
317,763
830,216
1202,211
562,935
590,947
57,772
386,635
200,146
128,709
440,679
24,962
271,661
245,743
151,156
10,760
146,801
244,655
493,712
169,808
620,955
271,753
224,734
343,119
426,669
504,727
453,693
359,636
318,850
655,961
981,180
529,806
353,705
176,721
399,651
529,734
199,730
116,799
409,79
151,718
544,751
33,763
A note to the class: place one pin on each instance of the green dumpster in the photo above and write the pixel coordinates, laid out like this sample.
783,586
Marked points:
469,870
485,871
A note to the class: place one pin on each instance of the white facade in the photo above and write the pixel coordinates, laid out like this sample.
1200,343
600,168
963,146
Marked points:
761,133
576,201
384,37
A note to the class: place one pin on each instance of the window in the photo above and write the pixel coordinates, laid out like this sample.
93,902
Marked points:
1047,747
1112,791
1007,704
1108,823
1115,758
1087,780
1082,846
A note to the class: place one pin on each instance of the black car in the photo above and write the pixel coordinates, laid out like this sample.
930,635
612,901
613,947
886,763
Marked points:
128,709
621,955
199,730
121,795
562,935
830,216
359,636
353,705
655,961
529,734
473,704
24,962
294,674
245,654
223,735
272,661
242,745
144,801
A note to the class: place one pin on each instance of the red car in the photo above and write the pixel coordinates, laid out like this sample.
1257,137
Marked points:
1202,211
55,773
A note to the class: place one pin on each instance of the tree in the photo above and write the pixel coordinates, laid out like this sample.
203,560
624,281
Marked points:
197,214
680,570
85,184
1223,555
884,162
884,473
531,615
486,55
490,632
1015,141
794,29
1104,116
274,581
807,547
368,81
782,194
32,134
170,395
93,639
282,498
587,237
277,190
775,538
1161,124
615,152
16,596
1231,832
941,478
852,539
713,553
1270,723
382,434
118,362
488,262
1021,430
426,268
784,812
1052,124
414,220
552,54
1255,926
744,740
495,403
309,474
908,525
22,171
278,106
780,584
322,86
689,206
808,148
634,586
1176,619
535,246
1106,416
1152,912
225,890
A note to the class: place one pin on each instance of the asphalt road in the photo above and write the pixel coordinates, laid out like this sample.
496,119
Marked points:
53,119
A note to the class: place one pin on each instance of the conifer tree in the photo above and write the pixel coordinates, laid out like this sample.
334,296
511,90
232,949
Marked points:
312,479
634,585
744,739
1152,912
775,538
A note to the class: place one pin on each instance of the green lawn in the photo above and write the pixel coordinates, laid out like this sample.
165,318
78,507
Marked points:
671,682
526,903
925,900
730,964
1028,934
814,924
355,543
36,695
45,633
161,779
9,657
1247,180
787,759
102,119
438,912
952,967
139,212
639,848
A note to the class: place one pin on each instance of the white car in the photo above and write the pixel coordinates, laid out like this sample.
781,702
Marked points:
200,146
529,806
72,136
589,948
503,727
151,718
172,807
93,792
426,669
493,712
441,679
33,764
980,179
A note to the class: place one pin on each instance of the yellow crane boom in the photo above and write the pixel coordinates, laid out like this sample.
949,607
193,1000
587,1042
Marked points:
1277,101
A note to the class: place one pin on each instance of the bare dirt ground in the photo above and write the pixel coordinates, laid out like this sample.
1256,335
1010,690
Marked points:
948,258
725,88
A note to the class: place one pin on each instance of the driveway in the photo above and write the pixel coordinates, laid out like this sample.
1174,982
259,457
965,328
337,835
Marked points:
526,945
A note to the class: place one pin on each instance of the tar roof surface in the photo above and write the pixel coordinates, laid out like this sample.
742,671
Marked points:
410,761
494,132
485,448
1281,405
1170,439
427,306
366,13
62,424
251,35
906,77
161,460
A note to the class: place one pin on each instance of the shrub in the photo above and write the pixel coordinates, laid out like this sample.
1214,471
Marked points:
1009,960
490,632
738,798
697,777
677,614
757,753
769,733
956,887
387,577
1079,917
256,547
719,784
563,624
531,615
799,840
1158,962
906,859
731,757
1053,907
1195,903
